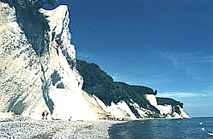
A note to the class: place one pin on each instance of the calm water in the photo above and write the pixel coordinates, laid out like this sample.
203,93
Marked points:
163,129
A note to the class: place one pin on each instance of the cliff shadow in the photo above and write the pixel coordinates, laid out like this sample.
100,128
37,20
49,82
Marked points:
33,24
45,91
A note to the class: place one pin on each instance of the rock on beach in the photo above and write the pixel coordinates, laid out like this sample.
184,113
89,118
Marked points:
19,128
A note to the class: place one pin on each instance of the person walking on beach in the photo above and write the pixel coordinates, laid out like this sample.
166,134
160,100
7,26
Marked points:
46,114
43,114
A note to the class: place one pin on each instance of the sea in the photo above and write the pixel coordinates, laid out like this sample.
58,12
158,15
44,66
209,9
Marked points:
193,128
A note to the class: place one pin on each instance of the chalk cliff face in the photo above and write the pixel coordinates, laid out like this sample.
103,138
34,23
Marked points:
121,110
37,68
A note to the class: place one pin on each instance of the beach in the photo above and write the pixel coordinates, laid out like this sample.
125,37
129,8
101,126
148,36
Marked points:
22,127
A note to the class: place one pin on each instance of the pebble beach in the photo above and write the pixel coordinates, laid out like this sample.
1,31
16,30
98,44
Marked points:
26,128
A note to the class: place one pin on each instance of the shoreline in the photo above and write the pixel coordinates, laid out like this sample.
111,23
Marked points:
25,127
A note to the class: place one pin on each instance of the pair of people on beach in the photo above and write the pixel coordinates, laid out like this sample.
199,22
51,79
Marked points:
44,115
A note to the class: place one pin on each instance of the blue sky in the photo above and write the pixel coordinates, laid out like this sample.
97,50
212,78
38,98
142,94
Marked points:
166,45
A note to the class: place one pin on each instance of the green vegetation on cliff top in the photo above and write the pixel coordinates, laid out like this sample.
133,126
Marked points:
99,83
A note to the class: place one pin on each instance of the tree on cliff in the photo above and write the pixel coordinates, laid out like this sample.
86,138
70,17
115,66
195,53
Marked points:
35,3
40,3
51,2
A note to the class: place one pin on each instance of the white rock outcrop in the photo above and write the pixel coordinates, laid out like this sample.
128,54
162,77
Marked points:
143,113
115,111
165,109
152,99
37,68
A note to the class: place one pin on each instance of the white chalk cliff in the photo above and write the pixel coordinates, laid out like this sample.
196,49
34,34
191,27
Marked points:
37,68
38,71
121,110
167,111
